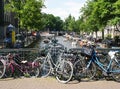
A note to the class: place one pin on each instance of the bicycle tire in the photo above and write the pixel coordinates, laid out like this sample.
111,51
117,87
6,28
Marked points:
37,64
116,75
2,68
64,71
86,74
9,71
34,72
104,59
45,68
77,69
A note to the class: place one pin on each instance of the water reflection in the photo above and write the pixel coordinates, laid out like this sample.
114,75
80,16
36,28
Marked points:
61,40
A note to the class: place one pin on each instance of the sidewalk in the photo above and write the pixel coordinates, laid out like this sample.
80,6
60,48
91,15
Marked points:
52,83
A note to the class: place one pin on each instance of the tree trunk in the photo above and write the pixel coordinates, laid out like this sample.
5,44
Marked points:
102,33
96,34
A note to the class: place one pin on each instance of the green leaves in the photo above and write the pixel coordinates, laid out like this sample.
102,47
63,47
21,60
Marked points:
98,13
27,11
70,23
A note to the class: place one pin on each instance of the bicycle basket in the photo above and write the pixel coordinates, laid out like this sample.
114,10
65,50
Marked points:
86,51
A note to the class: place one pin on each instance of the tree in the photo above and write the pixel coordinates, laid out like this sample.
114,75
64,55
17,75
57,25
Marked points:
31,16
89,22
58,24
52,22
116,13
97,14
70,23
28,12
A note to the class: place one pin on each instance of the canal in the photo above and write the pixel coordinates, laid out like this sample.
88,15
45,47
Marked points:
61,40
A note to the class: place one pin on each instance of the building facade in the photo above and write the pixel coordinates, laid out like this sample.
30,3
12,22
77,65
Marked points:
6,18
1,18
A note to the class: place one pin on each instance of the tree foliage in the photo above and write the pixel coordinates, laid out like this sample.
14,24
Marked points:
30,16
97,14
28,12
70,23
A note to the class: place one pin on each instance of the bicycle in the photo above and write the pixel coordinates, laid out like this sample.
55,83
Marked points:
2,67
87,68
14,65
73,55
60,67
114,55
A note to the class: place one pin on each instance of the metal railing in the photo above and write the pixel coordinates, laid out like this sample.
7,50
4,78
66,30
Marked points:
99,49
31,53
25,53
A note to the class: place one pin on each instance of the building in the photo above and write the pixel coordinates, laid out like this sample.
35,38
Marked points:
1,18
6,18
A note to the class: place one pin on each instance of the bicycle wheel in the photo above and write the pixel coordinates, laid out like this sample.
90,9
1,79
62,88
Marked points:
34,72
2,68
103,58
116,71
45,68
38,61
86,73
37,66
77,69
64,71
9,71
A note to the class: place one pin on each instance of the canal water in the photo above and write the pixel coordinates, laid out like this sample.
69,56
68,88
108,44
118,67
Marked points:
61,40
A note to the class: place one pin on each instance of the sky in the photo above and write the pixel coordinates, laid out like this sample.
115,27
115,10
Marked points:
63,8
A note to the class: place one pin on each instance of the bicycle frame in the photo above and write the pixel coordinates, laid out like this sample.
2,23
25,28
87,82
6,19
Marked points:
13,66
58,67
2,60
4,66
49,58
22,67
95,59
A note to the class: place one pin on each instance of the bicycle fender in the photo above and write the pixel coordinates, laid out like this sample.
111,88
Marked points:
3,61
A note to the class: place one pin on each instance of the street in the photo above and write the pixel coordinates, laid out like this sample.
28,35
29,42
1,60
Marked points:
52,83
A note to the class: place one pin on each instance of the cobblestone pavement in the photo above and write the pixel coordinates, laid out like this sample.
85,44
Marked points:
51,83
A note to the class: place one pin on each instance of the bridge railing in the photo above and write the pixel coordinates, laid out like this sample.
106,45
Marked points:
99,49
31,53
25,54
